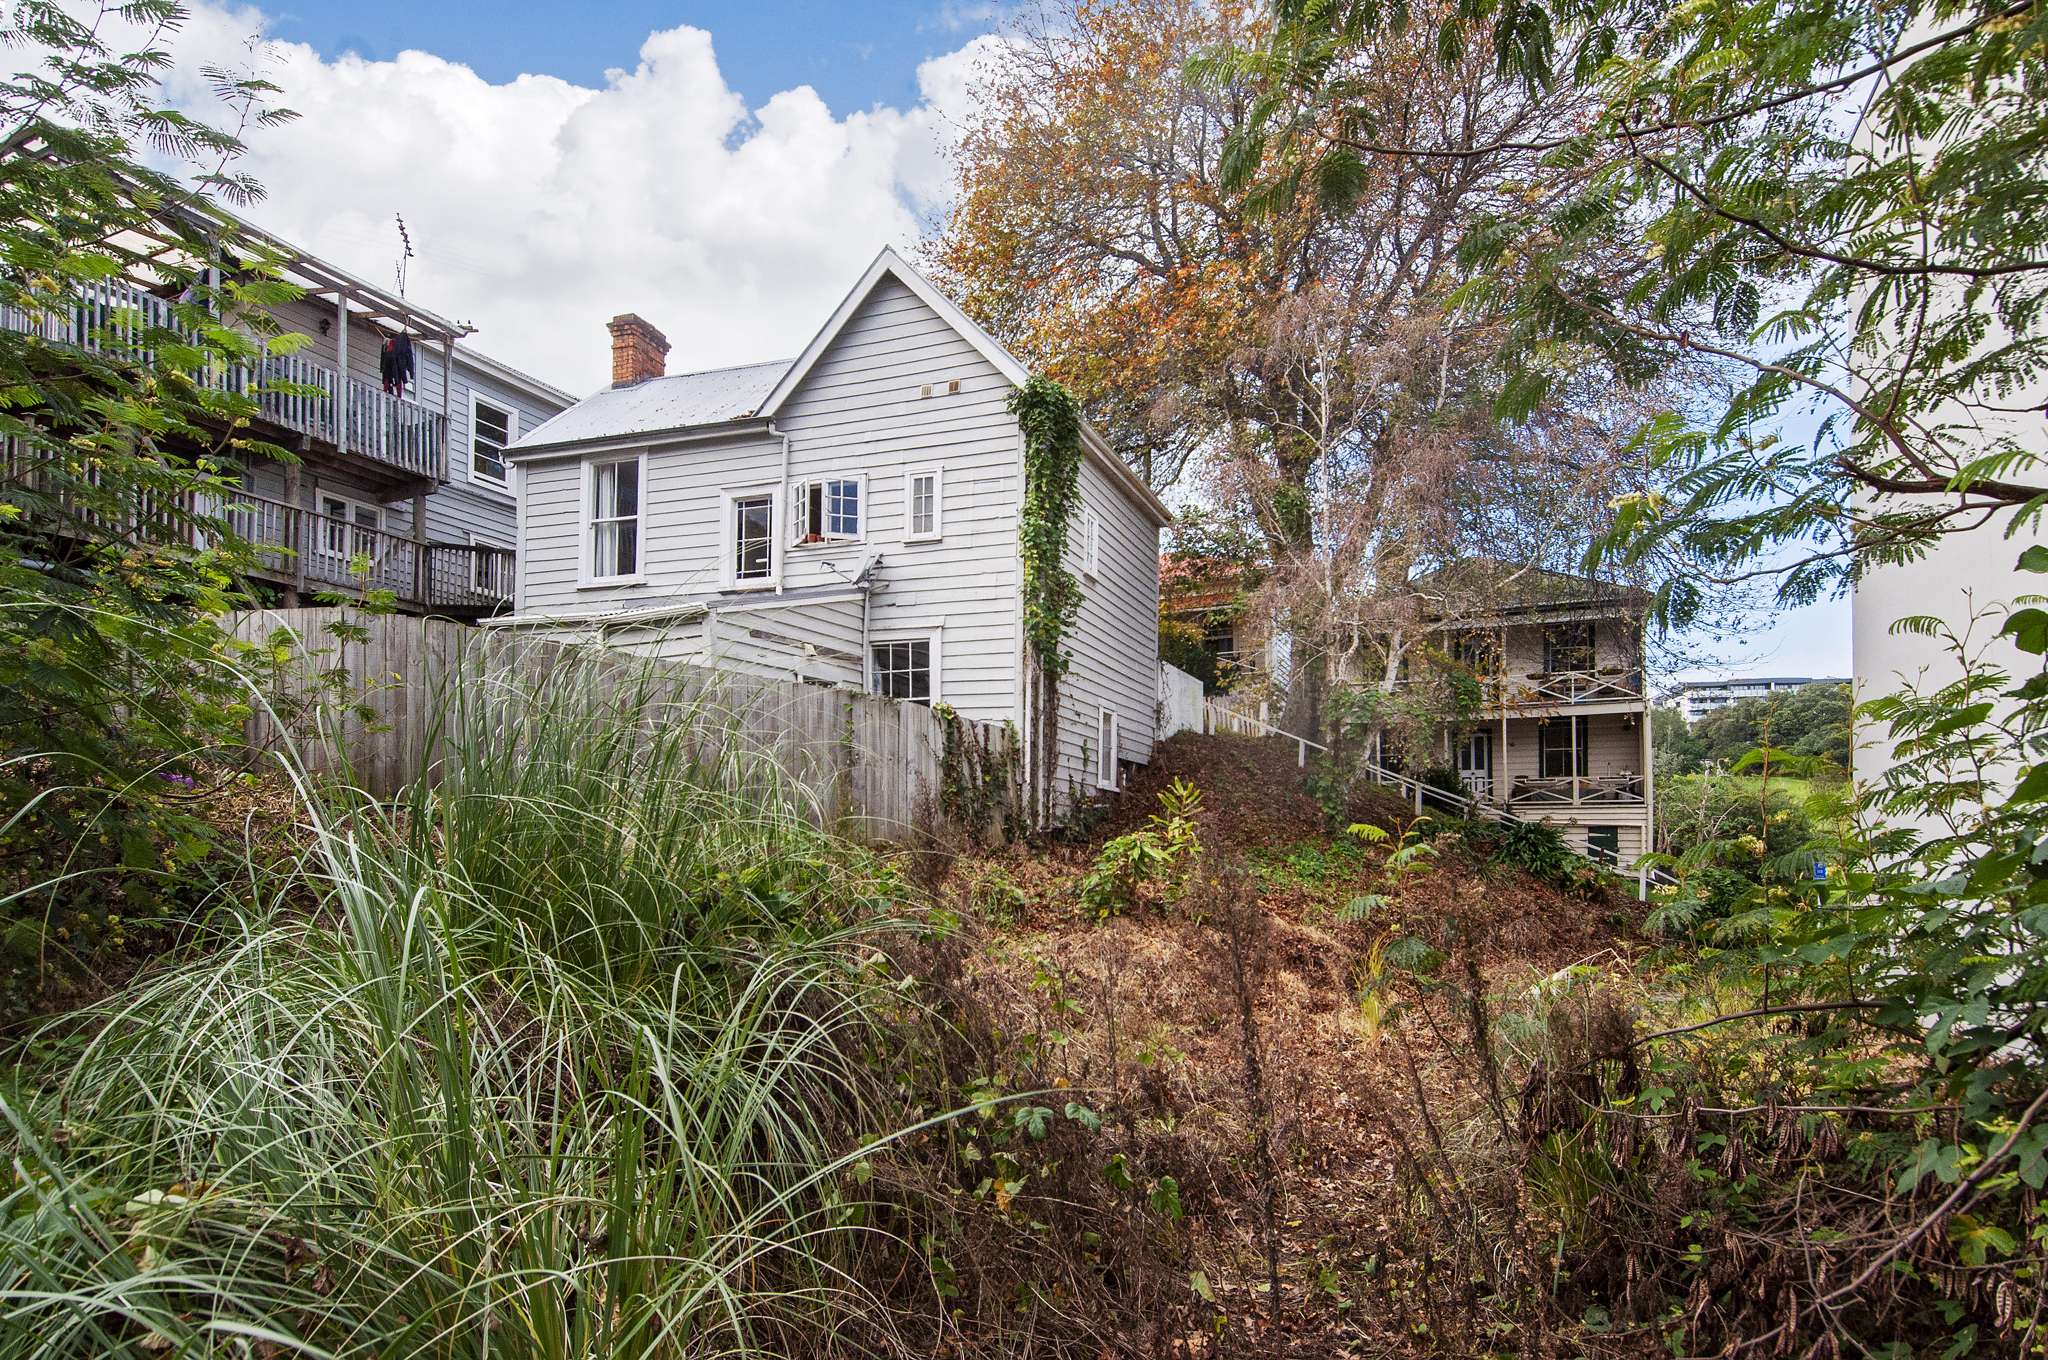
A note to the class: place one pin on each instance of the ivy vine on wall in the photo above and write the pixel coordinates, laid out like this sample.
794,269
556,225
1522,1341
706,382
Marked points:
1051,422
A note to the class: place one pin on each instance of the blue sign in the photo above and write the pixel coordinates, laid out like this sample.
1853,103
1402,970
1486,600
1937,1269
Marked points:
1820,872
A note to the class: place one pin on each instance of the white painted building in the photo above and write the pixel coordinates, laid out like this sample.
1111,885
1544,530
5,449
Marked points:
1968,580
1560,733
849,517
398,487
1697,698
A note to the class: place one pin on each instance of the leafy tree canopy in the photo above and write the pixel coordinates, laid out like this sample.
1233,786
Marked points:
129,298
1838,206
1810,721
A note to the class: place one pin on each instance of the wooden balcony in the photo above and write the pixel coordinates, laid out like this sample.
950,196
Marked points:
348,417
1541,689
1577,791
296,547
309,551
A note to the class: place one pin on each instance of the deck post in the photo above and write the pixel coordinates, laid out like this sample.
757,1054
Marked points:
340,372
419,548
1572,727
1502,788
447,384
289,532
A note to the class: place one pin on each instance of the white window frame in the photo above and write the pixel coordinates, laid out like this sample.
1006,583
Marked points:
586,536
1091,544
511,437
476,561
728,541
350,504
910,480
359,539
1110,746
935,636
799,497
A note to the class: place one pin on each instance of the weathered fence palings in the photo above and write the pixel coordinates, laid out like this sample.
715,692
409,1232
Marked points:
874,766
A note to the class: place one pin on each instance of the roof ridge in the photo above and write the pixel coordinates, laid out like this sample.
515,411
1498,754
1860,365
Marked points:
726,368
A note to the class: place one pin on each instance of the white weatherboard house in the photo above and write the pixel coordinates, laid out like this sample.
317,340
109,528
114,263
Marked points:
848,517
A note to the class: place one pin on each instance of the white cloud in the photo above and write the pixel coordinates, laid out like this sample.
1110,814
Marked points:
539,208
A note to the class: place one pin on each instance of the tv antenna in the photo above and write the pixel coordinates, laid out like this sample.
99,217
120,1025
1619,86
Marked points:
404,253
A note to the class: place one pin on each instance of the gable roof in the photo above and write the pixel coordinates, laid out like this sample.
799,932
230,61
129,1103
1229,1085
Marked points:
723,396
1485,585
681,401
889,265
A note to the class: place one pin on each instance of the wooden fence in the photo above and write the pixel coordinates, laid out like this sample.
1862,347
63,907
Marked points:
375,699
1180,701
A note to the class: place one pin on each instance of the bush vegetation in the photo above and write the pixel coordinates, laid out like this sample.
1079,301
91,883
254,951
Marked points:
568,1051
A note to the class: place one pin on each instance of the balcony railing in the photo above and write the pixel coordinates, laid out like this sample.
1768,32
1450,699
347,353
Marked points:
113,317
293,546
1545,689
1576,790
311,551
1573,687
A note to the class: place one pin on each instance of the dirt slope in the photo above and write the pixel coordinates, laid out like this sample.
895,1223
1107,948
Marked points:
1143,1014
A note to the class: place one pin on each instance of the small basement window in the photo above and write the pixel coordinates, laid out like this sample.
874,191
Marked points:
902,668
490,430
1106,750
1603,844
829,511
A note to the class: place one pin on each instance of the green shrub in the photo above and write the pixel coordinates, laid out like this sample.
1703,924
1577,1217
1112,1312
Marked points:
1726,821
1537,850
996,896
1167,839
572,1053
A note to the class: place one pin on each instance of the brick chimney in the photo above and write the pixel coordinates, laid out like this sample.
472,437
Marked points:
639,351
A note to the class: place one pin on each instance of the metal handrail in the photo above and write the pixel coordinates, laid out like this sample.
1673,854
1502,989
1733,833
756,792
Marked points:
1223,719
1420,792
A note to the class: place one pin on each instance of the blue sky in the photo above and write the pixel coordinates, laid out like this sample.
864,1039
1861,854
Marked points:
855,55
725,169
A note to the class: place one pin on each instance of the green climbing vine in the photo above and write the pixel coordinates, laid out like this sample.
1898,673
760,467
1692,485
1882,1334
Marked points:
1051,421
977,778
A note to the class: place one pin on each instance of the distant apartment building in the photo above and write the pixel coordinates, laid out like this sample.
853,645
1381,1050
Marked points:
1697,698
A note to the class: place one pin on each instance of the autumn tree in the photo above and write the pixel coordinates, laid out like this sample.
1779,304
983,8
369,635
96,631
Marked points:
1306,362
1840,203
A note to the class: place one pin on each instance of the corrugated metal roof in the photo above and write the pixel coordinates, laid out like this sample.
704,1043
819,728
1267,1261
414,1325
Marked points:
676,402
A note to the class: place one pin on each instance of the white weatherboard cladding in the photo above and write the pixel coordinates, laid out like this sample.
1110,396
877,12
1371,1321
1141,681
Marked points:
897,389
469,506
1114,644
862,408
681,513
